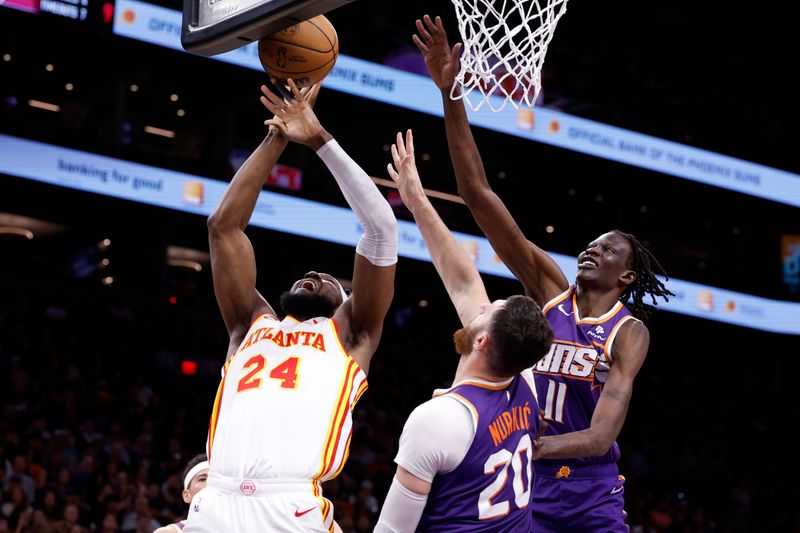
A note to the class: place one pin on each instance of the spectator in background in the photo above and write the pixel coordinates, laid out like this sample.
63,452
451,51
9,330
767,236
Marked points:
18,473
15,505
195,476
69,520
140,517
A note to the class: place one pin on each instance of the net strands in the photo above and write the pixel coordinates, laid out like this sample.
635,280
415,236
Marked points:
504,45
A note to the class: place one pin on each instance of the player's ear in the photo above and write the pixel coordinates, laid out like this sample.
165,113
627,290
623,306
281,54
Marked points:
628,277
481,340
187,498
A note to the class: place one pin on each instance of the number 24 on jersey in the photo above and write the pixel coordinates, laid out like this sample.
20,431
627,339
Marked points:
285,372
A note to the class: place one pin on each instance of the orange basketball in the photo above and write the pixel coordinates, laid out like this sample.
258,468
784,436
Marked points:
305,52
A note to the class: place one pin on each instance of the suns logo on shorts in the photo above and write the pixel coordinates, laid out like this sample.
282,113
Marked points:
563,472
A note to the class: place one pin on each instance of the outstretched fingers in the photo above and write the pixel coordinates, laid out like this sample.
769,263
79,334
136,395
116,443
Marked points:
423,31
440,26
456,53
409,142
312,93
417,41
436,30
401,146
298,95
396,156
271,101
392,172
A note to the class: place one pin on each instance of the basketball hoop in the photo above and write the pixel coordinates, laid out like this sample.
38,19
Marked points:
505,42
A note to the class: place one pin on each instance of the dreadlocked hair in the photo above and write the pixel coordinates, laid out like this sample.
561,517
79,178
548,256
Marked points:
646,266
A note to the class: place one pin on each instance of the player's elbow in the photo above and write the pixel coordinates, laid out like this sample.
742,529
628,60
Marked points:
479,200
214,221
473,192
386,222
600,445
218,224
379,241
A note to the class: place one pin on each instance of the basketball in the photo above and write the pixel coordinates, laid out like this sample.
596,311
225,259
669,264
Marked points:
305,52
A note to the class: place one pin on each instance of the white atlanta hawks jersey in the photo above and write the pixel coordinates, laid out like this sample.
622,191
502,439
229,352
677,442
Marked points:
283,408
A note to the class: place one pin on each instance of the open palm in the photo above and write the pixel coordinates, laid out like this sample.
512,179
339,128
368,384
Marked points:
405,176
442,62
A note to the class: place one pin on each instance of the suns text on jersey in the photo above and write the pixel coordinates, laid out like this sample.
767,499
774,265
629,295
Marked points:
570,360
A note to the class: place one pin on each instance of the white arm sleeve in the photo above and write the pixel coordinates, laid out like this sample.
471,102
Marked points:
379,241
436,437
401,510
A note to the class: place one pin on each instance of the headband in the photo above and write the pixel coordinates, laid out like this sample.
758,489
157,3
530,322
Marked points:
202,465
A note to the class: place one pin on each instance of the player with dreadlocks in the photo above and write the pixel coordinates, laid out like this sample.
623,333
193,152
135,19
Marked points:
585,382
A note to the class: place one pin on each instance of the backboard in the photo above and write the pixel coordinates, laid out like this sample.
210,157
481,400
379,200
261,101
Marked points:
212,27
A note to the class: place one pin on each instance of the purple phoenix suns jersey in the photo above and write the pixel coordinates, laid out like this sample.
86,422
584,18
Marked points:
491,488
570,378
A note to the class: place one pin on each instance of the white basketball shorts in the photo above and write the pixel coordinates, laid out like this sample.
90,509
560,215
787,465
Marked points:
258,506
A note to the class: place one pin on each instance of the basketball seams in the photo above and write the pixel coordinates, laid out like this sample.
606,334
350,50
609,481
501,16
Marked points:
289,43
332,44
293,72
311,21
313,60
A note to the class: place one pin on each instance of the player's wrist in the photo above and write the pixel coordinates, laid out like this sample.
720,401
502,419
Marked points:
319,139
415,199
448,89
274,134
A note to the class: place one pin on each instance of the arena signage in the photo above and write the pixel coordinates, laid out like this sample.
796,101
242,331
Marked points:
161,26
192,194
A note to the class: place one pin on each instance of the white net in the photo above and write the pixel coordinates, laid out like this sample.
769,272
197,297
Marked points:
505,42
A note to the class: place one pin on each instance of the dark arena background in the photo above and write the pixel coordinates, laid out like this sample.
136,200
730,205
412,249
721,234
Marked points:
111,342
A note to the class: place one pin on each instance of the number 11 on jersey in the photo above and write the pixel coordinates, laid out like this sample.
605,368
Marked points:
554,403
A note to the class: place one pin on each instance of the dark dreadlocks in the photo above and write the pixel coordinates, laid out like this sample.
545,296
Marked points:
646,266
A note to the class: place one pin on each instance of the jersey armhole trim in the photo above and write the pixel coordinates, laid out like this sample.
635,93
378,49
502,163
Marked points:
259,317
335,328
474,416
613,335
557,300
466,403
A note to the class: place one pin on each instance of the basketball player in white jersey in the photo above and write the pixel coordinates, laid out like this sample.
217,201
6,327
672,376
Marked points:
281,421
195,476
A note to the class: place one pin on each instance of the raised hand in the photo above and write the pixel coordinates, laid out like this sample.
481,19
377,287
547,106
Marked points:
295,118
442,62
405,176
